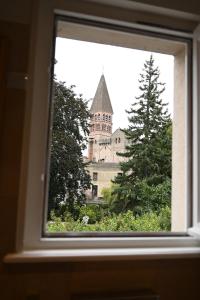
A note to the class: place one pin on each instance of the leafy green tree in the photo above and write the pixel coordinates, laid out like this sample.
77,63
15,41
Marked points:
148,153
70,127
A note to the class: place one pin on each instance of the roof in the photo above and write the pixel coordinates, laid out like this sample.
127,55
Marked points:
101,101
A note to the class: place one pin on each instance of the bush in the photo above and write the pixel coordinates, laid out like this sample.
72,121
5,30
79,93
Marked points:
124,222
93,212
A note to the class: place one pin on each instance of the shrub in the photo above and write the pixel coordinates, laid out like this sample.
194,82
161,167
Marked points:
124,222
92,211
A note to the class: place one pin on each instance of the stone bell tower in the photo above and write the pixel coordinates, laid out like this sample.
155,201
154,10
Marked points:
101,120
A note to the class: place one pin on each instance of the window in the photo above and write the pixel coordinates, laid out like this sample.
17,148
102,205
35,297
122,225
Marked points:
103,127
94,191
36,176
98,127
95,176
148,173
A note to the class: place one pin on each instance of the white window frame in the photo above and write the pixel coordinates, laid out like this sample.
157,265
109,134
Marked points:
30,245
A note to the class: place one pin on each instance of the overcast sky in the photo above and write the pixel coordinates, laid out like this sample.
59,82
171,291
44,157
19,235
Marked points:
82,64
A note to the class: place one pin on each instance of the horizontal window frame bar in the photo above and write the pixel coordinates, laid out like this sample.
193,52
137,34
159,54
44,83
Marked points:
126,27
115,234
79,255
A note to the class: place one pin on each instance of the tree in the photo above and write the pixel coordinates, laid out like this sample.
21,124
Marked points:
149,150
68,176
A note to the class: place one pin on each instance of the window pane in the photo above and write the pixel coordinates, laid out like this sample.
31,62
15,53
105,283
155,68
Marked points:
113,121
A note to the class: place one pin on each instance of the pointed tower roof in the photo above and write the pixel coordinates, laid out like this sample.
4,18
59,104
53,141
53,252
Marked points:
101,101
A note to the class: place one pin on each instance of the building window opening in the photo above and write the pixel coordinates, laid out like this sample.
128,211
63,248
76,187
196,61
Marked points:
103,127
136,178
95,176
94,191
98,127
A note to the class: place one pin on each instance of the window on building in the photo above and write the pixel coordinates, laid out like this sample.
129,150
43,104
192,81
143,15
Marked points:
103,127
95,191
95,176
98,127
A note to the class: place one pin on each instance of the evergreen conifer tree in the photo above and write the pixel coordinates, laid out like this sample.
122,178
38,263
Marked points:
148,154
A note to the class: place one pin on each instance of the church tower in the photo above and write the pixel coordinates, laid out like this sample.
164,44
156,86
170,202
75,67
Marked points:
101,120
101,111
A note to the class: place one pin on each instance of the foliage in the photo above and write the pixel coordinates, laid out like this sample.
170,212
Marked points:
109,198
93,212
68,176
147,169
165,218
147,197
123,222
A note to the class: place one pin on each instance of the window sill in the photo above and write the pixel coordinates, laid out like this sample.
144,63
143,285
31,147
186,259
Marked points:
39,256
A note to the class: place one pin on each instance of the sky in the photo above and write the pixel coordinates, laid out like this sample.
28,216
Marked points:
82,63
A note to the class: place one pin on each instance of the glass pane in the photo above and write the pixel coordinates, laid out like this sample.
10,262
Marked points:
111,135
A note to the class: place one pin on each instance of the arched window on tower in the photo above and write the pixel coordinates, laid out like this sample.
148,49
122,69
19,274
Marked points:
99,117
98,127
103,117
106,118
109,118
103,127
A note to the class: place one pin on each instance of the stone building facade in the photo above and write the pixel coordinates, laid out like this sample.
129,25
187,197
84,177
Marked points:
103,143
